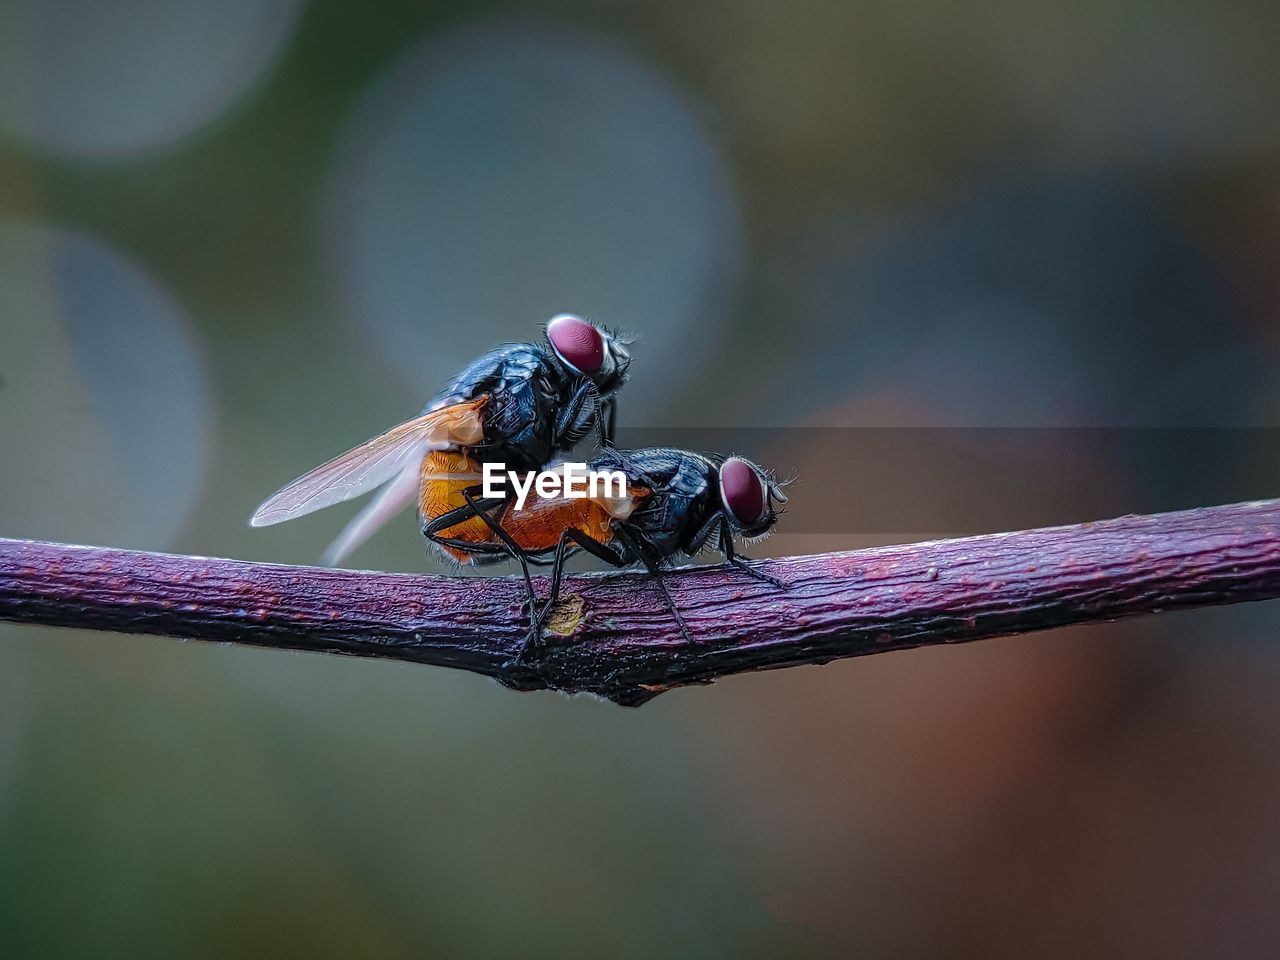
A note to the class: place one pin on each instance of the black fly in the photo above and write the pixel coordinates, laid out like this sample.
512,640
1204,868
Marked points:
676,504
520,404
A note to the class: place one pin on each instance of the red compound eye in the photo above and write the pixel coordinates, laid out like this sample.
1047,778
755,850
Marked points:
577,342
742,491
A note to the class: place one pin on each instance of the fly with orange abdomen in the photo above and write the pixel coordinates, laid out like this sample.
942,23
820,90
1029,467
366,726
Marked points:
520,404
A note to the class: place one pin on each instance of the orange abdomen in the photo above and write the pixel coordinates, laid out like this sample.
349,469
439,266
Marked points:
444,475
539,525
537,528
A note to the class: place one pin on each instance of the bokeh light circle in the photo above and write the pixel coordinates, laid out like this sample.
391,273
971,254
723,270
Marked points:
508,171
113,79
107,415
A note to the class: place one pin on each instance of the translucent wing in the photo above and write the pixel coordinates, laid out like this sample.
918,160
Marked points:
388,501
374,462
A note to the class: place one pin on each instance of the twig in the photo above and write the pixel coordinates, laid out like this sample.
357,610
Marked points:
619,642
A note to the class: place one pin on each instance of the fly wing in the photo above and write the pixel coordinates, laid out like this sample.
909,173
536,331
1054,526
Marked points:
374,462
386,503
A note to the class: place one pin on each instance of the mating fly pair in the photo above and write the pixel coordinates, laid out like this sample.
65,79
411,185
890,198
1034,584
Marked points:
522,405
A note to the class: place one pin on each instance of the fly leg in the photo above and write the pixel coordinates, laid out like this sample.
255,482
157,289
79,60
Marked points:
433,528
568,539
607,421
516,551
731,556
652,564
709,526
481,508
718,522
575,420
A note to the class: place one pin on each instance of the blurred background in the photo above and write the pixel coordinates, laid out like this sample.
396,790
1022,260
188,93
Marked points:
239,237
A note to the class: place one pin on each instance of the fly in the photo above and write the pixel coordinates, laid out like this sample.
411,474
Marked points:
520,404
676,504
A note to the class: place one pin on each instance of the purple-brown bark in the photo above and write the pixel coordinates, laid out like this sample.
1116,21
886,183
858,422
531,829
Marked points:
619,641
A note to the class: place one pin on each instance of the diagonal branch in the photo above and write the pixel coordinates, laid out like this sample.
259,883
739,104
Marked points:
617,640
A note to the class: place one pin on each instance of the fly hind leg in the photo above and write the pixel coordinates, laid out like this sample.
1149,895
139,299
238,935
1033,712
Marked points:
517,553
481,508
570,538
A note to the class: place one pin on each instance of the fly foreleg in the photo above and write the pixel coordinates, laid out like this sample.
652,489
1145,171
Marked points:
732,557
574,421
